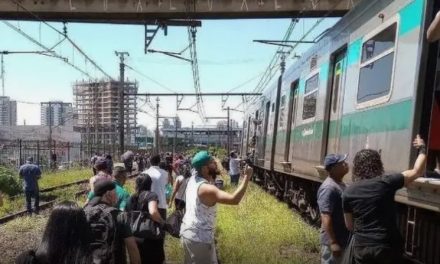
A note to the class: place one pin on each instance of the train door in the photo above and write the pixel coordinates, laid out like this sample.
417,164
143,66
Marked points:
293,100
336,100
264,137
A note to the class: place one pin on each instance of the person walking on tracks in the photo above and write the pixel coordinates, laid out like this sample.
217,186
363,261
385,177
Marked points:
369,206
202,196
234,168
151,250
334,235
31,173
109,230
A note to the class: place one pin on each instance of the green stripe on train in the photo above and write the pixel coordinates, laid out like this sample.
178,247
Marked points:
393,117
411,16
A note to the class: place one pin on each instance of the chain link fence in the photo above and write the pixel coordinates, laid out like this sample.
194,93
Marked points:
53,155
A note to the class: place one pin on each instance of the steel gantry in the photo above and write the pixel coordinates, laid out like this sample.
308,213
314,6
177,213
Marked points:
179,98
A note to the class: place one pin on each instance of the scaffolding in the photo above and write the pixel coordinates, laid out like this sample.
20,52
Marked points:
97,107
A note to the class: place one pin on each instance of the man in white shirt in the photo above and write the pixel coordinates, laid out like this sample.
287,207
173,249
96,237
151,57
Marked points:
234,168
159,180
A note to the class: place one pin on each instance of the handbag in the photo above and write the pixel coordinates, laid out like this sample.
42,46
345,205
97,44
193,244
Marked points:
143,227
173,222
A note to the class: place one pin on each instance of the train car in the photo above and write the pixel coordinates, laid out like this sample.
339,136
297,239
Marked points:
372,81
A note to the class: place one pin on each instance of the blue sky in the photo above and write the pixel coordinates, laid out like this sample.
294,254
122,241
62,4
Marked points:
227,57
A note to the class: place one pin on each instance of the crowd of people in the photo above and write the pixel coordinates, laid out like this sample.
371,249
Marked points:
105,229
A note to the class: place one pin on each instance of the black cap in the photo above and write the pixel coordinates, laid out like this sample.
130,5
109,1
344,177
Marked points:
103,186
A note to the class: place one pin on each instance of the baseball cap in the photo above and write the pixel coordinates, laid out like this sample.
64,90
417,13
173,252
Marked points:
201,159
332,159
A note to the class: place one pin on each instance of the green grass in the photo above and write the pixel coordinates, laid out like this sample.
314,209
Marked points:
49,180
63,177
263,230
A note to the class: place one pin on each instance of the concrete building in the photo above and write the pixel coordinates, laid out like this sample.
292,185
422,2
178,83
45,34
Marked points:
8,111
97,107
56,113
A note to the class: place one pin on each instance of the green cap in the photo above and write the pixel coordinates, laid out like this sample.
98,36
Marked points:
200,159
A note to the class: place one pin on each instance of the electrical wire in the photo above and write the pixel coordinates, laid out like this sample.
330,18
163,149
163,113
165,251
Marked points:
66,37
150,79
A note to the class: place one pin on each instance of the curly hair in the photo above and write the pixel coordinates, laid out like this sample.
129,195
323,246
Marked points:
367,164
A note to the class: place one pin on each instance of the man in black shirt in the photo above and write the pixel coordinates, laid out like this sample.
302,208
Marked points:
369,207
110,231
334,234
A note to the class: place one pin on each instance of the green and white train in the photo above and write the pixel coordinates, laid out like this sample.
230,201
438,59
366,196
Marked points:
369,82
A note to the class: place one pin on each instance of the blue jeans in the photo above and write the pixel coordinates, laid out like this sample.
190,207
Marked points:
327,257
234,179
29,195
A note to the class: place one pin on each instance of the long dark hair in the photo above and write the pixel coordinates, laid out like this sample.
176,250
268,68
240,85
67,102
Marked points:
143,184
67,236
367,164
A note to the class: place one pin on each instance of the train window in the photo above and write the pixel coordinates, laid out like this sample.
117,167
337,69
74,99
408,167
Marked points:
310,96
376,67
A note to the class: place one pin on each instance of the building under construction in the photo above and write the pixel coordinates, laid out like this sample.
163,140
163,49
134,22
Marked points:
97,105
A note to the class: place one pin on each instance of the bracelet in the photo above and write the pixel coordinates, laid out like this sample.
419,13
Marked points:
422,149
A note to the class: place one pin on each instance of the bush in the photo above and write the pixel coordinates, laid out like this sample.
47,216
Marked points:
10,184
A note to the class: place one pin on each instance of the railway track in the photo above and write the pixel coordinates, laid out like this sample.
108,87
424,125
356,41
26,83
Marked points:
48,204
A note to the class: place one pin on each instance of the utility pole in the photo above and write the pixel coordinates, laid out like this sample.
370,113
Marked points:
175,135
50,135
157,126
229,134
2,73
121,56
192,134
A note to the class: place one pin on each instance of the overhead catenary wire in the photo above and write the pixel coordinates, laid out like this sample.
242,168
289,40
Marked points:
287,50
64,34
150,79
53,53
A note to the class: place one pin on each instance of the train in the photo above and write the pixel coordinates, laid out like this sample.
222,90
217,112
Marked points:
371,81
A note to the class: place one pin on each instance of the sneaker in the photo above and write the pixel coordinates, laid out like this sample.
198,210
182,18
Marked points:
437,171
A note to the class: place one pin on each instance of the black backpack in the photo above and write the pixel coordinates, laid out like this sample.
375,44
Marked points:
103,225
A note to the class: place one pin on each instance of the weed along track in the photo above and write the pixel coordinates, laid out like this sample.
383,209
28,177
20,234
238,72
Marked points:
50,195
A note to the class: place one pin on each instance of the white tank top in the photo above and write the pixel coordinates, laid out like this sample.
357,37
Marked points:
199,221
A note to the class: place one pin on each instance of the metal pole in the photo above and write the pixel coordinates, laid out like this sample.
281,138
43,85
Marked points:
175,136
157,126
19,152
121,99
228,135
2,72
192,134
68,154
50,136
38,152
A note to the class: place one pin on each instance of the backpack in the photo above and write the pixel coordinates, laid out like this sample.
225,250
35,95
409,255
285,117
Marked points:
225,163
103,227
